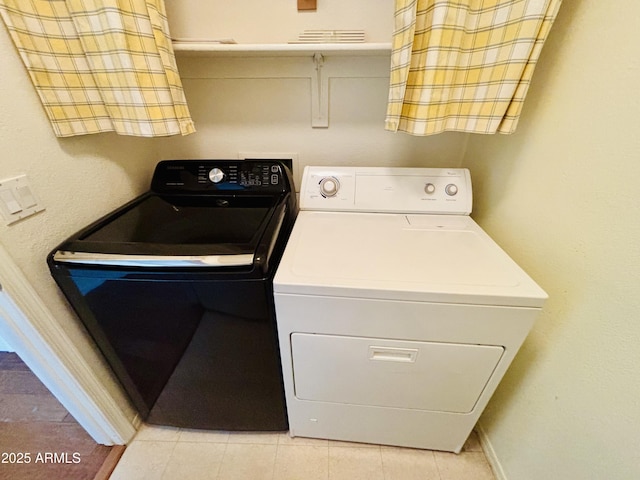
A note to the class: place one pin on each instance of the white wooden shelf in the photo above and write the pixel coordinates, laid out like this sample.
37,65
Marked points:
200,48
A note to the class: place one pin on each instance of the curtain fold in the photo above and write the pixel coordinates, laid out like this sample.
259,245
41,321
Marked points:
464,65
101,65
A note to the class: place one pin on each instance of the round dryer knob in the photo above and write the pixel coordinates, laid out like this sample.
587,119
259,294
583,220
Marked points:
216,175
451,189
329,186
429,188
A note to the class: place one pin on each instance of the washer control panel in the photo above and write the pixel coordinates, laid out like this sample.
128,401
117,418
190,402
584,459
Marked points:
376,189
221,176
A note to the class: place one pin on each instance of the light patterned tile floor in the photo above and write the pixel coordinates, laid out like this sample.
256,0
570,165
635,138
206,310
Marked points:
163,453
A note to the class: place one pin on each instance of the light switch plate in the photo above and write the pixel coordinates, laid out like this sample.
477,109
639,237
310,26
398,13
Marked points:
17,199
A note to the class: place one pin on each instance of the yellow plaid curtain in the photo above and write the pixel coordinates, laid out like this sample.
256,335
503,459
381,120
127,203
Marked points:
464,65
101,65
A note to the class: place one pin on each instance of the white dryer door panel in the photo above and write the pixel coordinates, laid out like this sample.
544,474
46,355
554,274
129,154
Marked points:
446,377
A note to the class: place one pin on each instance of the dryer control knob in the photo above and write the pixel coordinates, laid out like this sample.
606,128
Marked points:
329,186
216,175
451,189
429,188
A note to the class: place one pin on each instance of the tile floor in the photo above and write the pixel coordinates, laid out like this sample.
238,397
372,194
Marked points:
162,453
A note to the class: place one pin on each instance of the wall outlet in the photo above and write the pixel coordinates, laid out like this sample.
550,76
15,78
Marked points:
17,200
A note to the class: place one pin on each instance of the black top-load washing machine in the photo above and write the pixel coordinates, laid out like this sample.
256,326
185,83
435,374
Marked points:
175,287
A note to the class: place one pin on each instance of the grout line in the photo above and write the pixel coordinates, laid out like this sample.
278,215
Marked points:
435,460
275,460
175,444
384,475
328,460
224,454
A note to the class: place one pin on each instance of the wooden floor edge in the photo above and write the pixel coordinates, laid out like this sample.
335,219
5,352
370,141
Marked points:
109,464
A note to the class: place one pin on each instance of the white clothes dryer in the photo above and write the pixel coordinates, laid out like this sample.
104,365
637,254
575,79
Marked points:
397,314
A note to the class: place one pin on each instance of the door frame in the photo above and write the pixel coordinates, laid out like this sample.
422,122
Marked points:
29,327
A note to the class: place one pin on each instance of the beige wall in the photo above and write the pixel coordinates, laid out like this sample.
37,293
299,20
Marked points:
562,196
77,180
276,21
264,104
237,111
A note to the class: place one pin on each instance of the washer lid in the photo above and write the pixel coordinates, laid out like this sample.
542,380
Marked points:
187,220
178,231
439,258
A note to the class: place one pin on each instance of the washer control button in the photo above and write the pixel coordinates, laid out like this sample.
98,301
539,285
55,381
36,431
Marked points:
329,186
216,175
451,189
429,188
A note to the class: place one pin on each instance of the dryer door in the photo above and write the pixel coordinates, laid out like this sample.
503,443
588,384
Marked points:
445,377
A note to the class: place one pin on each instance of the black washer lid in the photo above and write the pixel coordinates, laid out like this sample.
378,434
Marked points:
187,221
161,229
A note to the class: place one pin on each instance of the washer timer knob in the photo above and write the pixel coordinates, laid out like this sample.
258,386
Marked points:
216,175
329,186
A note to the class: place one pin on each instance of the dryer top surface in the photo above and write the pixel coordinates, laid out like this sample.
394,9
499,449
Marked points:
439,258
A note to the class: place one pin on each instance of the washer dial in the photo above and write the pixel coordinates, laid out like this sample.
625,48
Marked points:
329,186
451,189
216,175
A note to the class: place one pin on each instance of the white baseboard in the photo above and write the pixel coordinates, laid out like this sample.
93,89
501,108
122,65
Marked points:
490,453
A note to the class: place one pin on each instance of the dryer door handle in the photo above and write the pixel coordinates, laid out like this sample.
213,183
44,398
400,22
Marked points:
393,354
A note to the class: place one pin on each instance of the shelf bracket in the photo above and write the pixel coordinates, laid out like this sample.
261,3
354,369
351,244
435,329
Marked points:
319,94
